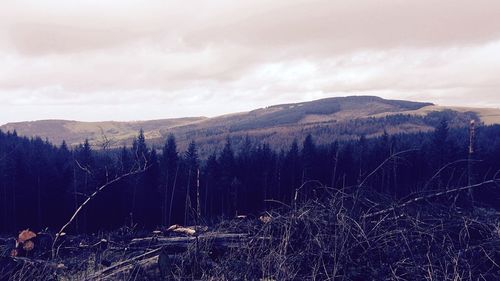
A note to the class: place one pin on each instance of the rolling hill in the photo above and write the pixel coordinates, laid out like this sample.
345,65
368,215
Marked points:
278,125
75,132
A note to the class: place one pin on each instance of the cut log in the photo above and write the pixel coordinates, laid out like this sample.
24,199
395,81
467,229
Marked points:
188,230
167,247
217,239
124,266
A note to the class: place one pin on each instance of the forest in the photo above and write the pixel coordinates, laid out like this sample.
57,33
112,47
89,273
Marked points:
43,184
413,206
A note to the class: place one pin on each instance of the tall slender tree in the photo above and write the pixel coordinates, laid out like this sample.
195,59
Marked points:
192,166
169,165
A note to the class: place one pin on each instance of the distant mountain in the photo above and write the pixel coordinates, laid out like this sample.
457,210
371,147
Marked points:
115,133
327,119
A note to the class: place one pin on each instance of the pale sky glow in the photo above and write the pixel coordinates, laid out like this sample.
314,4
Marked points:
134,60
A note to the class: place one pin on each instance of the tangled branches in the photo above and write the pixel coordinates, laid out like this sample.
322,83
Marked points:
347,236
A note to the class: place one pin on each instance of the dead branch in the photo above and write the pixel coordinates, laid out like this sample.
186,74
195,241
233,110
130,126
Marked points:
430,196
75,214
170,245
105,142
228,240
384,162
38,263
85,169
112,270
445,167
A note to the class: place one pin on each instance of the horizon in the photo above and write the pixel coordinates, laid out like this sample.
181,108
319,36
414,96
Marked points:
129,60
207,117
198,116
236,112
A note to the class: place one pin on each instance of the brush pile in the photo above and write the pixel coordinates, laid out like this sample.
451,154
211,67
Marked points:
340,238
357,235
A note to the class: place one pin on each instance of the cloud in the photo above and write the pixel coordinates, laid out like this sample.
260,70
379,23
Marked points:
132,59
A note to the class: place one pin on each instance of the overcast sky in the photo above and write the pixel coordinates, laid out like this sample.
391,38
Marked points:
130,60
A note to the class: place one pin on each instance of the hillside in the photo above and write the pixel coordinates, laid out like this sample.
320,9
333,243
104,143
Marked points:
75,132
278,125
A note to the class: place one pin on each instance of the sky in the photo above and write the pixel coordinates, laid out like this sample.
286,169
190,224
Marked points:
98,60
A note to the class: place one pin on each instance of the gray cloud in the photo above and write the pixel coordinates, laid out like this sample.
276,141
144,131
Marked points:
131,59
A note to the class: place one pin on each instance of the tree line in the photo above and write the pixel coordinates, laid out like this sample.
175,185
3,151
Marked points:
41,184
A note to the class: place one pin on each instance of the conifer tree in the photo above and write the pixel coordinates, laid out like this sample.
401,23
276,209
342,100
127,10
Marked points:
308,158
226,162
140,152
140,149
169,165
192,165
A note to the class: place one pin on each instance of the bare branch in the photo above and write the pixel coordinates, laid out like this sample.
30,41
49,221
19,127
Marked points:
385,162
85,169
80,208
495,181
444,168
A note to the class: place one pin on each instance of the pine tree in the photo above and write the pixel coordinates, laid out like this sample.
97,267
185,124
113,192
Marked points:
292,171
226,162
126,161
140,152
126,186
169,165
63,183
308,159
192,166
83,167
440,149
244,171
333,159
362,148
140,149
148,197
212,189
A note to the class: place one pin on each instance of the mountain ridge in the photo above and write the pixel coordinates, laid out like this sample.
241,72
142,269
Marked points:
336,117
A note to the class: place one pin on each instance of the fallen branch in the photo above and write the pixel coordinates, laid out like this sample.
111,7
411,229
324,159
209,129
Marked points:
119,267
227,240
171,246
430,196
38,263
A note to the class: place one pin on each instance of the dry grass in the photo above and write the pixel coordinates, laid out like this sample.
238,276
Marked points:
334,239
351,234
